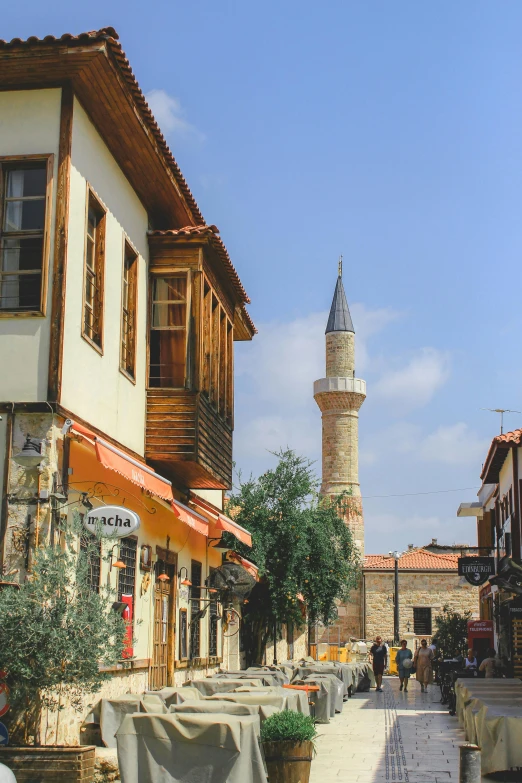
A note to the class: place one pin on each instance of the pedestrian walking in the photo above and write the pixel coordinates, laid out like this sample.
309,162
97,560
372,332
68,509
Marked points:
379,659
423,665
489,664
404,661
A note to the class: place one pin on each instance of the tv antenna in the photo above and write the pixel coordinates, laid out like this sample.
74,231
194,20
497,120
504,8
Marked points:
501,411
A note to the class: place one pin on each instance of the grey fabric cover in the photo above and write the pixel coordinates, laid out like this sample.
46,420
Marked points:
190,748
336,687
491,713
322,700
220,706
209,685
109,713
296,700
176,695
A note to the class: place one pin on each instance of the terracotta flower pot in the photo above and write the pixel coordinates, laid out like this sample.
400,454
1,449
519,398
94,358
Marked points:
288,762
58,764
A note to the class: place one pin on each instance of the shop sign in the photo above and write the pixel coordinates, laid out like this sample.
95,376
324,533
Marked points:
476,570
480,626
4,699
111,521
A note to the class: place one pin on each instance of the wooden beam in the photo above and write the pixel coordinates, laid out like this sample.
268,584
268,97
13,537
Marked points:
54,381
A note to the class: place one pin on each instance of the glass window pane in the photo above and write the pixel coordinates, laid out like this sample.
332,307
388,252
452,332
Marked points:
92,222
25,215
167,359
26,182
165,316
170,289
21,254
20,292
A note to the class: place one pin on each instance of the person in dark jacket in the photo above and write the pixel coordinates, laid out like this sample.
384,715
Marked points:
379,658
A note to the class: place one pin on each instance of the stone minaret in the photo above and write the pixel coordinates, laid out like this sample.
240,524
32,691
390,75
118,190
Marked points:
339,396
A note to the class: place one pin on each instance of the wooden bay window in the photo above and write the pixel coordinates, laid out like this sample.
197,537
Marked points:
169,330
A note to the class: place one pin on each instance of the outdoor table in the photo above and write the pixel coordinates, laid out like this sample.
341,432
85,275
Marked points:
491,713
309,691
270,699
335,686
296,700
109,713
176,695
211,706
177,748
209,685
322,699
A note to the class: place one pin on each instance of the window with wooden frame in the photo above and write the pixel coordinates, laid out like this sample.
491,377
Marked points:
24,234
129,299
168,346
183,634
94,272
217,360
92,549
213,622
422,621
195,606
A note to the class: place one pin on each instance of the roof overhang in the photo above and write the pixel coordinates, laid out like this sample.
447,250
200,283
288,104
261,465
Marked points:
102,80
470,510
497,454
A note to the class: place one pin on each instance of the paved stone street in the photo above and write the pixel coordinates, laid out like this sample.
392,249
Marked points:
390,737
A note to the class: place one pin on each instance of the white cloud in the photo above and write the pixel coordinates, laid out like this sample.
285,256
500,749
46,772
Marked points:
454,444
414,385
170,115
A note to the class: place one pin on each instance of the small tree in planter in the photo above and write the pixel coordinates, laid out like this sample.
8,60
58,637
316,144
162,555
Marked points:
56,630
288,744
451,637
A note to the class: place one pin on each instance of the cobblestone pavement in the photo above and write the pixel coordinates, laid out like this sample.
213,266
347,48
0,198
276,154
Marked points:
390,737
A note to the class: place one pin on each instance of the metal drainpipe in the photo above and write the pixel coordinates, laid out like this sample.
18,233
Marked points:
396,607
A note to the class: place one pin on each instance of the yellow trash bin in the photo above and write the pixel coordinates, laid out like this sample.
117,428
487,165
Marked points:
392,666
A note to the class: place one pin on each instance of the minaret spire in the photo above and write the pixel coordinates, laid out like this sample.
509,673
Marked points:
340,266
339,396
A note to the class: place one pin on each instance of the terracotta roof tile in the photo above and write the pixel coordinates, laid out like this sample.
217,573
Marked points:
213,233
416,560
509,437
110,35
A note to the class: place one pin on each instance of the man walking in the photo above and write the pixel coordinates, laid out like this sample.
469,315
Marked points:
379,658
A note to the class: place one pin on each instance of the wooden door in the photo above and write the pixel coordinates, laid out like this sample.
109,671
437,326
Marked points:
162,667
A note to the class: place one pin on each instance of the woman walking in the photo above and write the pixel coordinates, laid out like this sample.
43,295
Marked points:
424,669
403,659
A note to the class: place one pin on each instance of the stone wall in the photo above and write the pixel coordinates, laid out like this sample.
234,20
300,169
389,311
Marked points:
417,589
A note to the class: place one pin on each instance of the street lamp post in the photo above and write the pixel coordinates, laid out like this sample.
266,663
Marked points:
396,556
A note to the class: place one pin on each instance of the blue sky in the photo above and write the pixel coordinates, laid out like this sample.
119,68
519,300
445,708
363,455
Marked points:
390,133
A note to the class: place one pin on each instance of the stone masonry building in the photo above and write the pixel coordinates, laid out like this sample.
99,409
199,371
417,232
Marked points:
427,582
339,396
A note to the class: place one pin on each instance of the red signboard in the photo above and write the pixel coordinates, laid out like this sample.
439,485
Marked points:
480,626
128,652
4,699
480,636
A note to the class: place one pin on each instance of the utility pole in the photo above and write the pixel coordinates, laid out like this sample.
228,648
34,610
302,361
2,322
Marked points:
396,556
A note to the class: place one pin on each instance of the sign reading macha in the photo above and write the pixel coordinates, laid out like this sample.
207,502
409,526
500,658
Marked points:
476,570
111,521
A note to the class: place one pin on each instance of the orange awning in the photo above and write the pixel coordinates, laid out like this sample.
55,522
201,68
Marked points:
222,522
190,517
117,460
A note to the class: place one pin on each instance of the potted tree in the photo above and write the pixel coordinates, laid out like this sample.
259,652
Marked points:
56,633
288,744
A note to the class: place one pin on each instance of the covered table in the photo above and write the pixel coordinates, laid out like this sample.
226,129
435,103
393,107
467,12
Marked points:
295,700
176,695
109,713
190,748
209,685
336,687
269,676
491,713
322,699
212,706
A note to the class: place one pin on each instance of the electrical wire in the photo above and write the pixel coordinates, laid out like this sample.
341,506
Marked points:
415,494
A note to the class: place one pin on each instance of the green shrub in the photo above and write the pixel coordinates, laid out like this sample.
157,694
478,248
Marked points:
288,726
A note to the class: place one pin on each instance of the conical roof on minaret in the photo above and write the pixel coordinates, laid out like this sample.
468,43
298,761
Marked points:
339,319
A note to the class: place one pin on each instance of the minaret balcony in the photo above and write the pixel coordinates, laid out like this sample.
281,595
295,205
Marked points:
354,385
